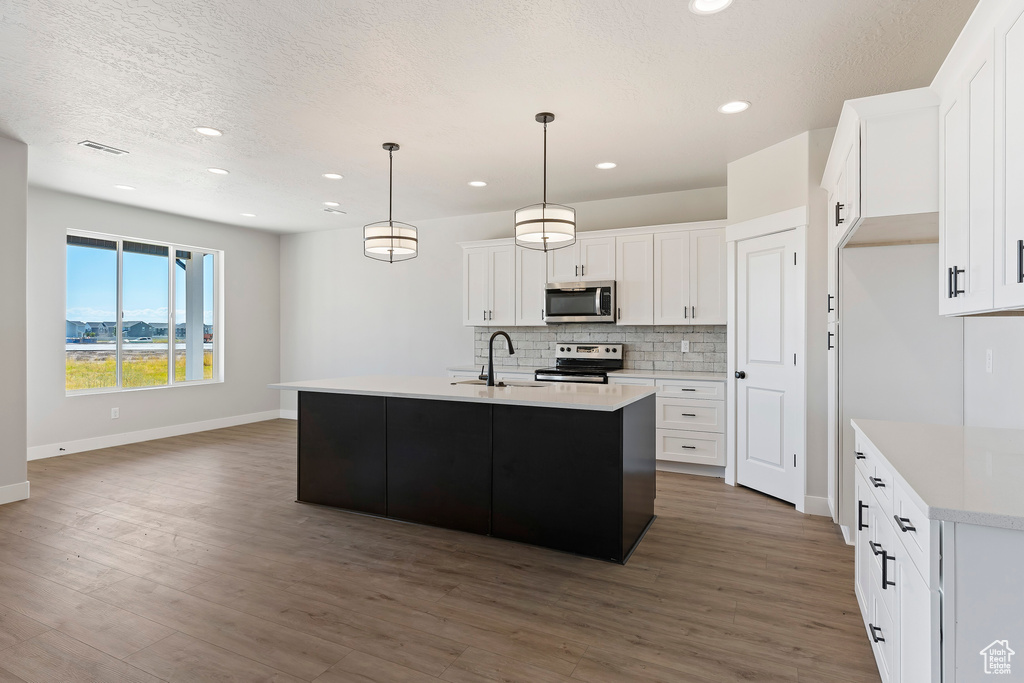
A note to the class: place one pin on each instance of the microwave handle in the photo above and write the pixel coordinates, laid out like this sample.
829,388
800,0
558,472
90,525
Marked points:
597,299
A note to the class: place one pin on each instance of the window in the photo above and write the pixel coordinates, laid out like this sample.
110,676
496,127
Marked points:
139,314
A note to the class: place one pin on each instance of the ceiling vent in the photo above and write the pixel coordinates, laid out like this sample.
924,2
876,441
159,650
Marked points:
330,210
102,148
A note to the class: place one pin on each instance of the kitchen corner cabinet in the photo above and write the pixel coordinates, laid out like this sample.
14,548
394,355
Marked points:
590,258
882,169
634,276
488,285
690,278
982,170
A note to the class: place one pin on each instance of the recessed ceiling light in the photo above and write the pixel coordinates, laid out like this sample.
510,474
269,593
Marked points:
218,171
605,165
477,183
333,176
249,215
734,107
124,187
703,7
331,204
206,130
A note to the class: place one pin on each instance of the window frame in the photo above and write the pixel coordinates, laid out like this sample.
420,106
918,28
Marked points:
218,315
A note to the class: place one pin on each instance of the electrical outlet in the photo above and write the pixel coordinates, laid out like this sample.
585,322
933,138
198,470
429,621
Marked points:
115,413
988,360
684,346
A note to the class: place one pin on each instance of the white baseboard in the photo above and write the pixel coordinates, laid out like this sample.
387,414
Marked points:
13,492
816,505
847,535
289,414
80,445
690,468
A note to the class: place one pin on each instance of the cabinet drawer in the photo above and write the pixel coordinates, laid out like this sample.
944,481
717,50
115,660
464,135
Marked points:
882,636
913,530
877,474
681,413
701,448
634,381
685,388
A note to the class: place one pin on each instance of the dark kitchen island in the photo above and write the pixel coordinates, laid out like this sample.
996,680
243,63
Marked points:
564,466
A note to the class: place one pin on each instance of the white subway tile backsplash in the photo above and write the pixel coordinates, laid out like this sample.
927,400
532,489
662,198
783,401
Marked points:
646,347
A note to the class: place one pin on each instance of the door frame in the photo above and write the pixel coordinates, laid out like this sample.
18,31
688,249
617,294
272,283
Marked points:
793,219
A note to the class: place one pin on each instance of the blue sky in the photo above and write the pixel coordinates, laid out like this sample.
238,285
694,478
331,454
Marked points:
92,287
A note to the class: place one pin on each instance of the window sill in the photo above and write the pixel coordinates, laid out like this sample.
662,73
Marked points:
125,390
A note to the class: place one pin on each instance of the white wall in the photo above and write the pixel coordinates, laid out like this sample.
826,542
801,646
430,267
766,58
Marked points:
344,314
13,175
772,180
994,399
251,317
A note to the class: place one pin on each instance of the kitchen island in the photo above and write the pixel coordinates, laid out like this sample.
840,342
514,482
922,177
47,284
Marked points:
564,466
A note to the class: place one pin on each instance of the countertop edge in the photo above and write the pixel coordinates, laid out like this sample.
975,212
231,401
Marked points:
465,399
940,514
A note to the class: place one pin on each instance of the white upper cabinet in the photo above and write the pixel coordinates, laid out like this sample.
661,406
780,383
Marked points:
530,278
634,270
590,258
982,146
882,170
1008,260
689,277
488,285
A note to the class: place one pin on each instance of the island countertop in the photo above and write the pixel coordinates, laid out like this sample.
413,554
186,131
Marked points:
973,475
569,395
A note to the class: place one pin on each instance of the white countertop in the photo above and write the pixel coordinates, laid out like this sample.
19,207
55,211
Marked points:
973,475
642,374
601,397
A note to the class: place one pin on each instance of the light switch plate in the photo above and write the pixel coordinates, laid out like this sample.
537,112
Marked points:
684,346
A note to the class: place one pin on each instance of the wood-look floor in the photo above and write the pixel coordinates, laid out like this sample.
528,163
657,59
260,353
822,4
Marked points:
187,559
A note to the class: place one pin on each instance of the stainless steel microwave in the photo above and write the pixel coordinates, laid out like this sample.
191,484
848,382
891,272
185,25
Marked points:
580,302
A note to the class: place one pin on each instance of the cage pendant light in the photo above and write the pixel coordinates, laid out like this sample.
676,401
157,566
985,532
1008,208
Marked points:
545,226
390,240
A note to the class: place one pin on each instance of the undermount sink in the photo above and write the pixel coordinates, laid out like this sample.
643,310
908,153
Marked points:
483,382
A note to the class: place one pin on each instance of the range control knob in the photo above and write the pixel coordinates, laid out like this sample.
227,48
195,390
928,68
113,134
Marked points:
607,350
614,349
561,348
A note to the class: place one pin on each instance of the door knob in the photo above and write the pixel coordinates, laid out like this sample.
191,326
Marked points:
740,374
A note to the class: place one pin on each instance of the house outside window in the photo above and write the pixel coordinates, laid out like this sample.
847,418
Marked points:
124,296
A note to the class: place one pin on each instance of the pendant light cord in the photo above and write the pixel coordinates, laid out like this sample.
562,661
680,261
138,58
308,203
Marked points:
545,162
391,180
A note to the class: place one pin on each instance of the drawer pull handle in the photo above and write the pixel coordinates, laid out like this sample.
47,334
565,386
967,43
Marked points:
692,448
685,389
876,548
860,456
885,570
876,482
861,507
688,414
904,524
875,631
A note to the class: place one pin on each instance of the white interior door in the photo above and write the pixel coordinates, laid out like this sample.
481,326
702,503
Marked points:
769,387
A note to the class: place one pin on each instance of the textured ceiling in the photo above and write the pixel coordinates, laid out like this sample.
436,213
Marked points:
302,87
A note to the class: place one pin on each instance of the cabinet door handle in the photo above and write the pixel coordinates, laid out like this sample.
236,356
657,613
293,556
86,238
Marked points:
693,312
577,271
1020,261
485,314
904,524
542,314
885,570
583,270
830,335
876,482
875,631
840,207
860,456
861,507
876,548
830,297
619,313
954,282
686,311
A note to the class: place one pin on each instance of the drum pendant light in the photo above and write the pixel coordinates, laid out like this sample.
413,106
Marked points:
390,240
545,226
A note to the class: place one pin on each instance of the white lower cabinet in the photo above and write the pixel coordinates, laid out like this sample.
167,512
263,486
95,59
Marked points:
691,421
700,448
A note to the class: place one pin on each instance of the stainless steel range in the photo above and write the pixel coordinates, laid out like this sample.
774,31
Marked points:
588,363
